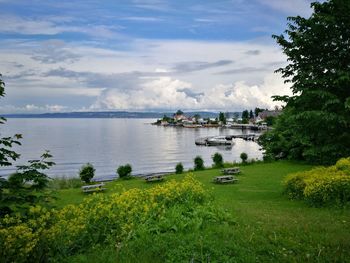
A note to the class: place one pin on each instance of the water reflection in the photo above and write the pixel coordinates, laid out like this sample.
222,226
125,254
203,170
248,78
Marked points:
108,143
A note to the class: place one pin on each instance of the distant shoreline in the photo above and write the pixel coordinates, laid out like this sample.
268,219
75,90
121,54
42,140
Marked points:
105,115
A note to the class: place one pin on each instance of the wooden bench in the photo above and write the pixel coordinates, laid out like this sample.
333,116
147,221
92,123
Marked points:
233,170
227,179
93,188
154,178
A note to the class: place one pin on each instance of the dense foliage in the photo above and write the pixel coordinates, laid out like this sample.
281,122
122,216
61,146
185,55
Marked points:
179,168
108,220
315,124
321,186
198,163
124,171
218,160
26,187
244,157
87,172
222,118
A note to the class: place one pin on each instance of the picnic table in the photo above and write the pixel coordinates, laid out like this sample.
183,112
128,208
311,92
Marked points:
154,178
93,188
233,170
225,179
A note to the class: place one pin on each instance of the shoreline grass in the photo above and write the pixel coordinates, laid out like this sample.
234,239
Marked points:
269,226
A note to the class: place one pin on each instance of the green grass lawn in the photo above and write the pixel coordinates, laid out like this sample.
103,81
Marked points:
269,227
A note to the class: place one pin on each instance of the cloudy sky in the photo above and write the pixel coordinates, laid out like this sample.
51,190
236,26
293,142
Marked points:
142,55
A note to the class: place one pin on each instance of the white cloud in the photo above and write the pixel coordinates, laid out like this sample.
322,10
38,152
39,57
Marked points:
196,74
157,93
160,93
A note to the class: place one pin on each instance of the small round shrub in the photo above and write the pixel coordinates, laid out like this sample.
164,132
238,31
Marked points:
244,157
344,165
124,171
294,185
179,168
87,172
218,160
198,163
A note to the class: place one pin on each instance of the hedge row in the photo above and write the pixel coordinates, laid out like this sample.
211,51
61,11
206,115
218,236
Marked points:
322,185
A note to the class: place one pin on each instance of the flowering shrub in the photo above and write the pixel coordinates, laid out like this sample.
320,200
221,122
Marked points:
321,185
101,219
344,165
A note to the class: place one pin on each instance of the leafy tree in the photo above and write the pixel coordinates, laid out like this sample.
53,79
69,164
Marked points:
87,172
218,160
245,114
179,112
179,168
257,111
26,186
198,163
251,114
315,124
244,157
222,117
270,120
124,171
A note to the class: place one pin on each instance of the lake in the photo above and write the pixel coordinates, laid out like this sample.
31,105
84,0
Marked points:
108,143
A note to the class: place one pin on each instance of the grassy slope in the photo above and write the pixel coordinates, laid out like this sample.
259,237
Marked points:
269,226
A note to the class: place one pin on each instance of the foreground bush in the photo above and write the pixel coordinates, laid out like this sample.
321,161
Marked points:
198,163
87,172
107,221
218,160
244,157
321,186
179,168
124,171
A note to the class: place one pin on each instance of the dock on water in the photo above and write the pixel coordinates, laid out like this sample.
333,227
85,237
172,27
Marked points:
246,137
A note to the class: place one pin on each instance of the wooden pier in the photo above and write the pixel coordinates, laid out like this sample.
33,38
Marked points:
246,137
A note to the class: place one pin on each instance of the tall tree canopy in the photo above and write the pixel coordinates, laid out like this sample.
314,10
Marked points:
315,124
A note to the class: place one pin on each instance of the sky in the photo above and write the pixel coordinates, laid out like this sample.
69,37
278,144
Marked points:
142,55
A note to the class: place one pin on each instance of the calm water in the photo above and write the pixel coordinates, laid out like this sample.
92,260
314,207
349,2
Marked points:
108,143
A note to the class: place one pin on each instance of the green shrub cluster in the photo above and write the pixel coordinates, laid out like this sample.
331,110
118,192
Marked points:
244,157
179,168
321,186
124,171
87,172
218,160
114,220
198,163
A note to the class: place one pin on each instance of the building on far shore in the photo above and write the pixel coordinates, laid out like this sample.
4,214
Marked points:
180,117
269,113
